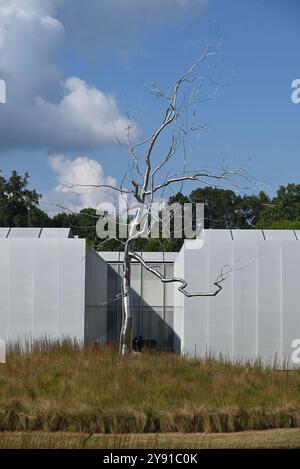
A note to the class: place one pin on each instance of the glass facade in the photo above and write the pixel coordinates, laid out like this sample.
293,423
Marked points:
152,303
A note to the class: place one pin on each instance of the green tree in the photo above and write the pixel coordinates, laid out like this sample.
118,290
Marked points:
36,217
251,206
19,204
283,225
283,210
221,207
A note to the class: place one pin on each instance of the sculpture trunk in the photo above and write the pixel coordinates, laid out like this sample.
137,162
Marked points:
126,330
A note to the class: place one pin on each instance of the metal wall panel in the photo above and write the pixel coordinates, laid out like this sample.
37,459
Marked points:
42,288
244,293
290,299
196,309
95,298
56,233
169,287
152,287
4,232
269,301
247,235
71,287
21,287
220,306
216,235
279,235
46,289
136,283
24,232
114,311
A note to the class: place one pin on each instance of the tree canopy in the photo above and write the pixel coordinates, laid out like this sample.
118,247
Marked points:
19,205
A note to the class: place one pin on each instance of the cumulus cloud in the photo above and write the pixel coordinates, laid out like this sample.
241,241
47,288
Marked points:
79,171
84,118
46,109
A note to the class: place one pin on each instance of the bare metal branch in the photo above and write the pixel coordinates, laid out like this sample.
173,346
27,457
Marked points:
197,176
97,186
182,288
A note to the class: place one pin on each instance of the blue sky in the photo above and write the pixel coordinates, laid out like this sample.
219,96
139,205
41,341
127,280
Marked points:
111,51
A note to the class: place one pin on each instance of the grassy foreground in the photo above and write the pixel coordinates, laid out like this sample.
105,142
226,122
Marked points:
60,387
284,438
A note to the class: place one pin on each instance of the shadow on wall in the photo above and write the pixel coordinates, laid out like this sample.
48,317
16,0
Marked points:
151,322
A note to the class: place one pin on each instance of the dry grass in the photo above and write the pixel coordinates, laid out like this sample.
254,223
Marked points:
62,387
287,438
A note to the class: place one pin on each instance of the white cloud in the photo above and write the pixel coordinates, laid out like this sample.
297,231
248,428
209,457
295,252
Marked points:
44,108
85,117
80,171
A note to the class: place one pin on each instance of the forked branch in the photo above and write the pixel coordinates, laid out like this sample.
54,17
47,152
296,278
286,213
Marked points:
182,288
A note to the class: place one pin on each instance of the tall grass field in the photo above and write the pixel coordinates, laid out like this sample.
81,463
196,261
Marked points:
63,387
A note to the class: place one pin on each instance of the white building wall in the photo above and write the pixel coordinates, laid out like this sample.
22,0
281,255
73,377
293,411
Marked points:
290,297
257,313
42,288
